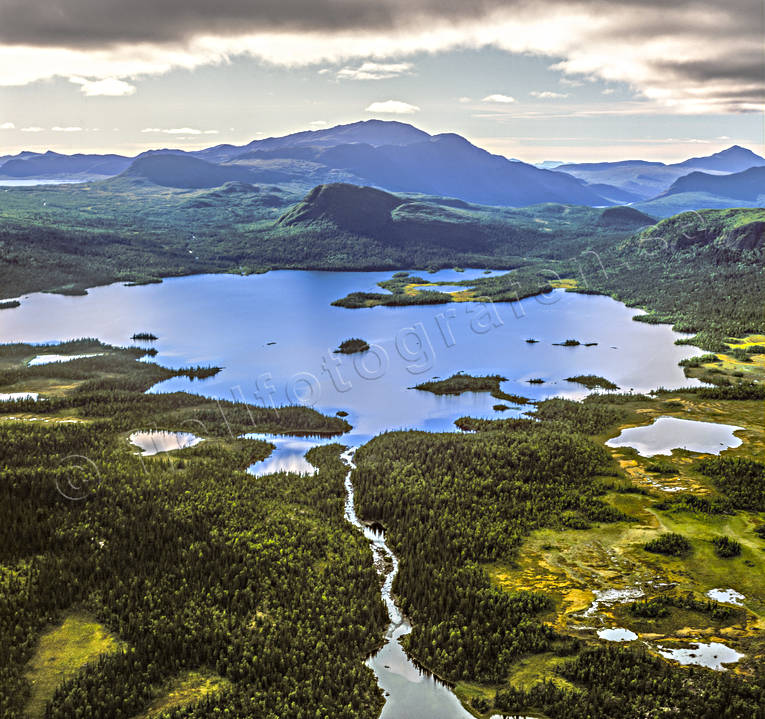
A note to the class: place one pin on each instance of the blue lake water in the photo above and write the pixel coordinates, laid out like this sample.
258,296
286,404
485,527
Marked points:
274,334
288,454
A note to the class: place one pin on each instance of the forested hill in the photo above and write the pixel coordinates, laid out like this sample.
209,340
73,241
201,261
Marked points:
338,219
352,208
133,231
701,271
721,231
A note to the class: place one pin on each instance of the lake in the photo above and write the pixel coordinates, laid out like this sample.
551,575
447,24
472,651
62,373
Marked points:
274,335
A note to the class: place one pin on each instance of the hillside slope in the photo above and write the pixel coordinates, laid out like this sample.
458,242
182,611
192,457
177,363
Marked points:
748,185
701,271
184,171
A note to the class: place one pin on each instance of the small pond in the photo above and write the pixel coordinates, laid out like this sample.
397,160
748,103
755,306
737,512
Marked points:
617,634
156,441
607,597
49,359
726,596
289,455
11,396
713,655
668,433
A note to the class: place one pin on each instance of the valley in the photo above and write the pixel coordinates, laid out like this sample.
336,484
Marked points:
369,422
543,568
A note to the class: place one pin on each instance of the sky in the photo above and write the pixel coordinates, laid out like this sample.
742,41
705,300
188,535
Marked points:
576,80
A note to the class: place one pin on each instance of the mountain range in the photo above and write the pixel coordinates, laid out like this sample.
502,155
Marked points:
646,180
399,157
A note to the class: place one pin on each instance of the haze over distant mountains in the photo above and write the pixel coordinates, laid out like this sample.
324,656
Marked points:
746,186
399,157
648,179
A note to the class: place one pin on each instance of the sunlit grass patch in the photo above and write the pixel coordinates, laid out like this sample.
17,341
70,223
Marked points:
565,283
189,687
61,652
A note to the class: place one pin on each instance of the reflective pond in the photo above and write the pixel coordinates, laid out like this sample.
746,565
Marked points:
668,433
156,441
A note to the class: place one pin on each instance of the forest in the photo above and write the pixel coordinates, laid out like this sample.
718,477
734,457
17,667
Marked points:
194,565
186,558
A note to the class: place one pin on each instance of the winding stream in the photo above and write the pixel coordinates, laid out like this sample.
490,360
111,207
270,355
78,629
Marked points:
410,693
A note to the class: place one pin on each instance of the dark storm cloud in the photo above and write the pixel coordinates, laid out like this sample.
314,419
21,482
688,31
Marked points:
93,23
749,68
102,22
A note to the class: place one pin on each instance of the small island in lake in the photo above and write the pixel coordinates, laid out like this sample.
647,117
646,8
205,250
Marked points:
146,336
574,343
460,382
592,381
353,345
198,372
9,305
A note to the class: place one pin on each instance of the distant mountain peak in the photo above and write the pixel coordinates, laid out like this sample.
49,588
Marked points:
734,148
732,159
371,132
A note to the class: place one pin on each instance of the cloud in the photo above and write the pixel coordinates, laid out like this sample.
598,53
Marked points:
547,95
392,107
33,128
375,71
504,99
318,123
70,128
179,131
7,126
109,87
693,56
464,99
